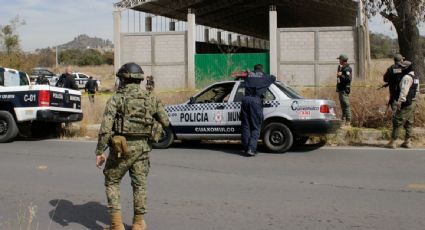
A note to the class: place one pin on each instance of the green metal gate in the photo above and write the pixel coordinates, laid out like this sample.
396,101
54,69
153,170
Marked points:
216,67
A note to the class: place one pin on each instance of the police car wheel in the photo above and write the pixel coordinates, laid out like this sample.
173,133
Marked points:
277,138
300,141
166,139
8,128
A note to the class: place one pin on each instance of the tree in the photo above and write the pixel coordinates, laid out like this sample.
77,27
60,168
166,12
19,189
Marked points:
405,15
9,38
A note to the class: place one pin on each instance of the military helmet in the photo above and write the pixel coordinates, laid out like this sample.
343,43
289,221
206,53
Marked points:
130,70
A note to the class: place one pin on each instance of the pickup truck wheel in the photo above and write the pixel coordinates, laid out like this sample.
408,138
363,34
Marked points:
8,127
166,139
277,137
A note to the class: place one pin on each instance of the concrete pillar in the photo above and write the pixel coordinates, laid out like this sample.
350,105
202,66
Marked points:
148,23
273,41
207,35
172,26
117,39
191,49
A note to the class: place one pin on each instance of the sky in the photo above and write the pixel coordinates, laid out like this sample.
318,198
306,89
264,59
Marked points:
54,22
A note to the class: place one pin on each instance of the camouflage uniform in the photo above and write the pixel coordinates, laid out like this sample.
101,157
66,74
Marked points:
136,160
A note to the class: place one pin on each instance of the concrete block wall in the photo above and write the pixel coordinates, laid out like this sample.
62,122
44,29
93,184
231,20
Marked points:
162,55
308,55
297,46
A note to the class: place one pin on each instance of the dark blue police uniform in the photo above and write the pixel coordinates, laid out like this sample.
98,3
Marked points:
256,84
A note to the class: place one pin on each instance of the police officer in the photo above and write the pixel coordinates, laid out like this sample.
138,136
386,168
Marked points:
256,84
343,87
91,87
66,80
392,79
406,105
125,128
42,80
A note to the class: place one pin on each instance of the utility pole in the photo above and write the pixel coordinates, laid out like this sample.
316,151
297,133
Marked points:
57,57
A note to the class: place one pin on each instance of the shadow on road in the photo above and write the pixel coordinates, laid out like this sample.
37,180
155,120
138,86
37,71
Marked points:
88,215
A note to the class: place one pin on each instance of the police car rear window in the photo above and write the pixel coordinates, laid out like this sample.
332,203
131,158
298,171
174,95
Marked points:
291,93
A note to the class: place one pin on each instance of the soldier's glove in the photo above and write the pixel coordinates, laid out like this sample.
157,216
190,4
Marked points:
156,132
120,146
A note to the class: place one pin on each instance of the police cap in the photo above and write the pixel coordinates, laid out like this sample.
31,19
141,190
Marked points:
131,70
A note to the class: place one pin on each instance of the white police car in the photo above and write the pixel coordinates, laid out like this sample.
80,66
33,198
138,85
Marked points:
213,114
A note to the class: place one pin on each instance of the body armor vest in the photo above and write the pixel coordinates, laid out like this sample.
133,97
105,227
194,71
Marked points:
134,115
411,95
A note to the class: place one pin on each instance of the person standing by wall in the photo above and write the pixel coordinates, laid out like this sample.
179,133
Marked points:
91,88
256,84
343,87
126,127
406,105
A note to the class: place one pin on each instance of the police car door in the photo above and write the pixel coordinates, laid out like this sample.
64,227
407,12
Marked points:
204,116
270,103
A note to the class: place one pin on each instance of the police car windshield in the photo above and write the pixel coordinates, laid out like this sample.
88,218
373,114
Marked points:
290,92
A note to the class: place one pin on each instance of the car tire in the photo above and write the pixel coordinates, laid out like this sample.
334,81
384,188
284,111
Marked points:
277,137
166,139
8,127
300,141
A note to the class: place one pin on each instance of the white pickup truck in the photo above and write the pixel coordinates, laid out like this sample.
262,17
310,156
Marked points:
39,106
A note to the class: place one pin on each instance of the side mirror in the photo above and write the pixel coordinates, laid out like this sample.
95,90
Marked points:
192,100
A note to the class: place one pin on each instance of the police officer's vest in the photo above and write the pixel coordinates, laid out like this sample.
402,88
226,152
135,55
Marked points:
134,115
395,75
411,95
344,85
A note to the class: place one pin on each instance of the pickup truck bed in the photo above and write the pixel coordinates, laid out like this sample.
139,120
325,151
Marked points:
34,104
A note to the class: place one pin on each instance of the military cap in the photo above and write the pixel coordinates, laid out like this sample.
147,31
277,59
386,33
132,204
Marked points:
343,57
398,58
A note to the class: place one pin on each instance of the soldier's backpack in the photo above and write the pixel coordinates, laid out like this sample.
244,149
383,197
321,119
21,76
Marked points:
135,117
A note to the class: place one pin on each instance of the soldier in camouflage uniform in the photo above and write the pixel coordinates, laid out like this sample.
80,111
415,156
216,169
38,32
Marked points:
126,128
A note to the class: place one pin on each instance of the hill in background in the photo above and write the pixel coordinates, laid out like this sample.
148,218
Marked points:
83,41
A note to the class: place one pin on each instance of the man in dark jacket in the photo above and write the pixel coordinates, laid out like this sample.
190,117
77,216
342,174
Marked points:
392,79
91,87
343,87
66,80
256,84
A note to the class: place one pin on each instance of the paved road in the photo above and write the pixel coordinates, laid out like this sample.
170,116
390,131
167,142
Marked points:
212,187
